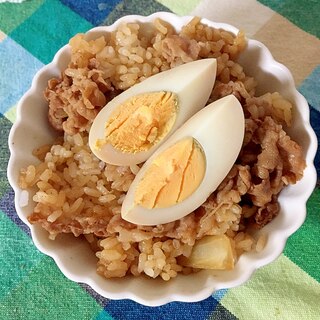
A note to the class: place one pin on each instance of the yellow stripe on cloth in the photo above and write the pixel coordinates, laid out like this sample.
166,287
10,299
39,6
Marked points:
11,113
2,36
180,7
280,290
247,15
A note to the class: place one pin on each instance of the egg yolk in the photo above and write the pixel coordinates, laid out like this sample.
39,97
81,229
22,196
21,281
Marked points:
172,176
140,122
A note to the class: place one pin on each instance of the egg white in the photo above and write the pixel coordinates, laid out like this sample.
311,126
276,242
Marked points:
219,129
191,82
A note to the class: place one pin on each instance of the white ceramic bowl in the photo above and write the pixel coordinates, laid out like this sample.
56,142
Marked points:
74,257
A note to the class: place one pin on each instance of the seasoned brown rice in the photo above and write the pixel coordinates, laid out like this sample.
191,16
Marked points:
77,193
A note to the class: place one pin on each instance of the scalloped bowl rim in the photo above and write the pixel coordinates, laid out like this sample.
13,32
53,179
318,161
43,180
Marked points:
210,281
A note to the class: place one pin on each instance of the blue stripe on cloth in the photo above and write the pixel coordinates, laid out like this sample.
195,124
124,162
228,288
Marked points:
218,295
127,309
140,7
7,206
25,65
315,123
310,88
95,11
100,299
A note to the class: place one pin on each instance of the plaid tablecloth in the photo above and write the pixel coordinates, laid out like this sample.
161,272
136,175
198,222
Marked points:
31,286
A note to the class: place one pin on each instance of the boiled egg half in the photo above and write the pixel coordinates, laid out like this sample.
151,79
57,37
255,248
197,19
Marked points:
136,122
188,167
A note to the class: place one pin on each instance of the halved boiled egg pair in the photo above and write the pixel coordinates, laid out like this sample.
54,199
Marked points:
188,152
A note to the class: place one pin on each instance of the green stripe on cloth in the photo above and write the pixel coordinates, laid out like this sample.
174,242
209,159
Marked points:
304,14
280,290
5,126
12,15
46,294
221,313
19,252
303,246
141,7
43,35
103,315
180,7
310,88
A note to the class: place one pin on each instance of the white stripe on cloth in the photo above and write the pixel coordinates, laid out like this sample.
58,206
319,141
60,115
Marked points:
247,15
